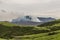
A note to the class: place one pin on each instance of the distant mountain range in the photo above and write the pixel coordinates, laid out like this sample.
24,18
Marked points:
31,20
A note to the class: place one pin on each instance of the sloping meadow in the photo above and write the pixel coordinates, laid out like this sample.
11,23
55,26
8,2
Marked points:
10,31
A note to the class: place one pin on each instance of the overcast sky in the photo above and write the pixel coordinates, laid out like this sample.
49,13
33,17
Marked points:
14,8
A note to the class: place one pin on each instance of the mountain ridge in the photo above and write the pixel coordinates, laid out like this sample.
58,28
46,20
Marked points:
26,20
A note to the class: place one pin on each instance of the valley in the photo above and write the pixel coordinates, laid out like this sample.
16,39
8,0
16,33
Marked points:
46,31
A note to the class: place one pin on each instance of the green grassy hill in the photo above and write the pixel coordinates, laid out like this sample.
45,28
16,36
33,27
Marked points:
46,31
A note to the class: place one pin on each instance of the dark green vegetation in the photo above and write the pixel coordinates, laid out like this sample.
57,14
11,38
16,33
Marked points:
46,31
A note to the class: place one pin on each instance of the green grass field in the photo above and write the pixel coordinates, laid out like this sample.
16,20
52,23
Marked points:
46,31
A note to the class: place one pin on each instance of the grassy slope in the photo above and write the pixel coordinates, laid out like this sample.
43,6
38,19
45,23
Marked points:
53,26
31,33
7,23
